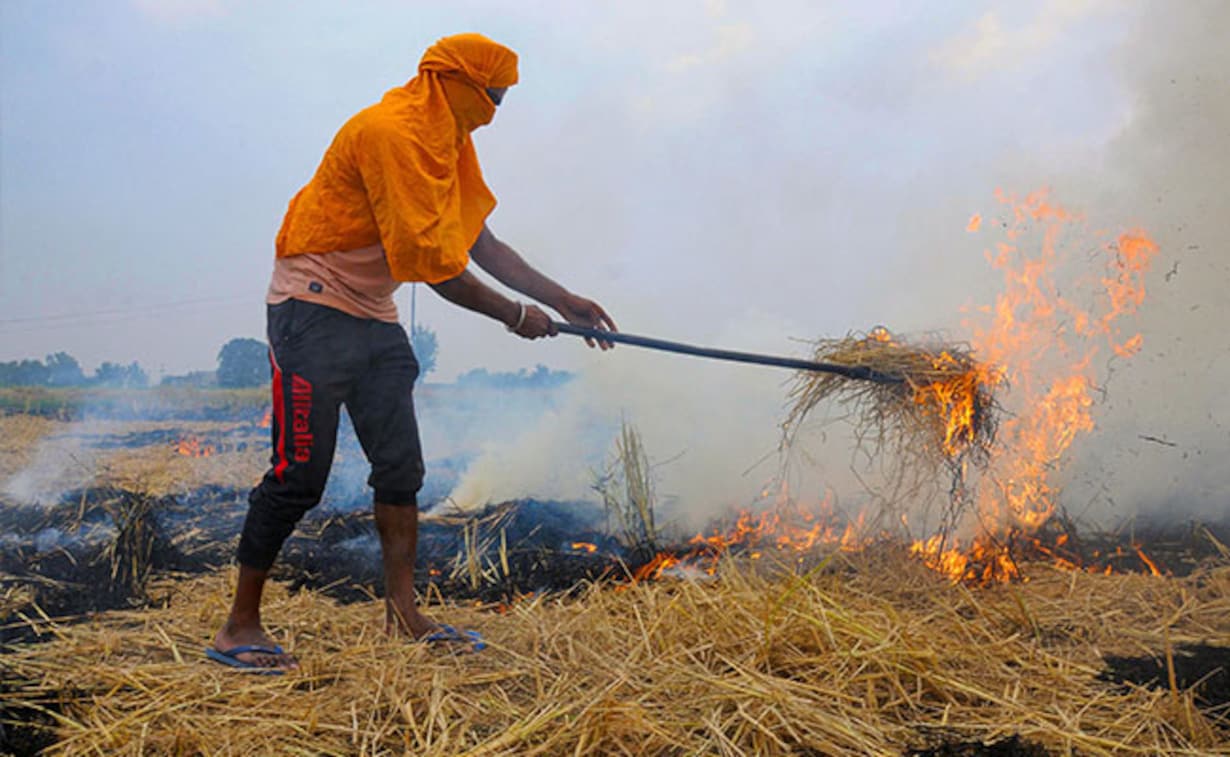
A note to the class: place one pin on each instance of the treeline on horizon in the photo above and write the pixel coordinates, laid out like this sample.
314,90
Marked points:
62,370
242,363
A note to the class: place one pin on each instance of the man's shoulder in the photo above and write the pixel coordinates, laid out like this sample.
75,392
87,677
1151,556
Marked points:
375,117
372,124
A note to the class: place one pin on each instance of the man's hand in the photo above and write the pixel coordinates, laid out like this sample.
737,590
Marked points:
580,311
535,325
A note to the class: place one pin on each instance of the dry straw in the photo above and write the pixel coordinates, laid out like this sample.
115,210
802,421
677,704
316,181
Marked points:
627,491
943,407
866,654
939,419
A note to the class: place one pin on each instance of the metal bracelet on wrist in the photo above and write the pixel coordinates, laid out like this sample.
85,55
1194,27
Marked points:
520,318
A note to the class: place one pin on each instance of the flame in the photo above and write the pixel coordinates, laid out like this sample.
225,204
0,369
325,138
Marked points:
975,223
191,446
787,527
952,392
881,334
1145,559
1044,343
267,419
654,567
981,562
955,398
584,546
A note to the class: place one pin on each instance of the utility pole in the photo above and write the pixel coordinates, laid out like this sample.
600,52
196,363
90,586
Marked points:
414,290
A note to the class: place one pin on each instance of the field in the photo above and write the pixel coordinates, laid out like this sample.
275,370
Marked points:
828,651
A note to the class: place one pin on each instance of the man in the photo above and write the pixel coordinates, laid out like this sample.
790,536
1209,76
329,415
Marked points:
398,197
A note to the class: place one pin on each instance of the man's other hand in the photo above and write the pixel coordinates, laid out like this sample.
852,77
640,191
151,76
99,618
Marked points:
580,311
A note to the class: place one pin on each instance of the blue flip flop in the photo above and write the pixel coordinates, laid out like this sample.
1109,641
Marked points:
230,658
451,635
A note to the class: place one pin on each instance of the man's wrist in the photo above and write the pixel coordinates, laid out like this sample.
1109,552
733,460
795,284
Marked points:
559,300
518,318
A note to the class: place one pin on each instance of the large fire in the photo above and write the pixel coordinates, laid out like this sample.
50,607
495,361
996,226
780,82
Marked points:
1042,336
1040,339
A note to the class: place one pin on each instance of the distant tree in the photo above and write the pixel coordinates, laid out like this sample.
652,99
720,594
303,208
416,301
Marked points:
542,378
243,362
426,347
108,374
137,377
64,370
129,376
24,373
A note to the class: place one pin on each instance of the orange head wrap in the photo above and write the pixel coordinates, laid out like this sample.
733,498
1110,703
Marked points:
466,65
483,62
404,173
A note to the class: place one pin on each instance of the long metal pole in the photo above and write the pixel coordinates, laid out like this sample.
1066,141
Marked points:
849,371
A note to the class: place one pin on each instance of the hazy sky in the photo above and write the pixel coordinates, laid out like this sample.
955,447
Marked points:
684,163
734,173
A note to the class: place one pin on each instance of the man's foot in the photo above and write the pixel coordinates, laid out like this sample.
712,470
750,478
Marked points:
407,622
232,636
451,635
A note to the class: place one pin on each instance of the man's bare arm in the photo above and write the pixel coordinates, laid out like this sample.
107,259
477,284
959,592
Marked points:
469,292
509,268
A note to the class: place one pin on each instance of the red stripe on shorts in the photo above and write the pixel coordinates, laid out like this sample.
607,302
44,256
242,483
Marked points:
279,417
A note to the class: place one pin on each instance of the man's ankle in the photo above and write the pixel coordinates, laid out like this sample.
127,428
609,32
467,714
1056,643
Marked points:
236,623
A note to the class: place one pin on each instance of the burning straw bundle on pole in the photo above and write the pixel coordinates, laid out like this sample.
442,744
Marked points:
932,424
941,411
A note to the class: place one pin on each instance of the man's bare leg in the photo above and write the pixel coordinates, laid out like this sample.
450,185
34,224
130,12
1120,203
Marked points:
399,529
243,626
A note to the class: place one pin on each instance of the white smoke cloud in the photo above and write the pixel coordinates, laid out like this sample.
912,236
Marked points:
993,43
1166,172
1151,152
61,462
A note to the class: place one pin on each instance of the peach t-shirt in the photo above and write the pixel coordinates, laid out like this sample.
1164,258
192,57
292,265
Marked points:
357,282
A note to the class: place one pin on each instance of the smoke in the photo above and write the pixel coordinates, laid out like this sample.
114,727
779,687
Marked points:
553,457
1164,428
710,429
823,242
60,463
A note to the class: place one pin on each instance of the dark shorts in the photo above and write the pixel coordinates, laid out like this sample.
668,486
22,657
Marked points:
322,359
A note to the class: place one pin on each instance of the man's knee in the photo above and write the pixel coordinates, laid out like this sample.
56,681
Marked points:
270,520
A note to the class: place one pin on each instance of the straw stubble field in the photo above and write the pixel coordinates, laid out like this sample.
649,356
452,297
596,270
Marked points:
861,655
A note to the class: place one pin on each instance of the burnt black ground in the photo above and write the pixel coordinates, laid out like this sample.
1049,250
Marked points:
1178,546
1013,746
1203,668
336,550
339,555
24,731
60,552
